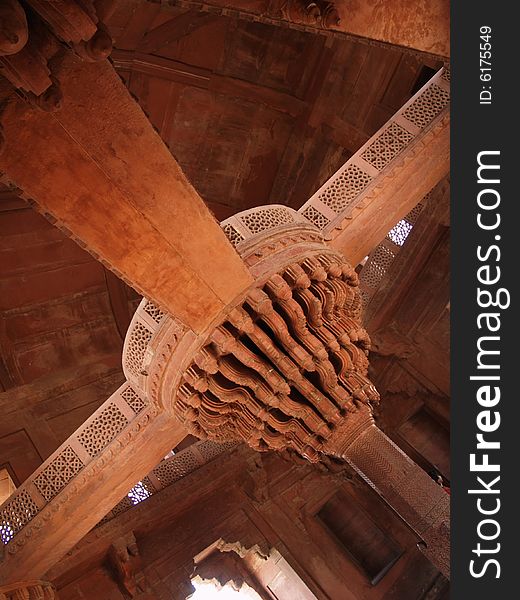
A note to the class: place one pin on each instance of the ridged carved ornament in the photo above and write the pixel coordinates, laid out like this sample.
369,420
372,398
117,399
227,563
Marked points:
286,365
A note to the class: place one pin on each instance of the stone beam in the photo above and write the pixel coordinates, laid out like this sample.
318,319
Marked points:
422,26
98,169
417,174
166,68
388,176
404,23
82,481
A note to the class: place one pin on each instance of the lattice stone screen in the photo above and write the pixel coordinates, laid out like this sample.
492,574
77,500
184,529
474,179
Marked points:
427,105
153,311
71,458
387,146
234,236
245,225
103,429
15,514
399,232
137,352
139,339
346,189
56,476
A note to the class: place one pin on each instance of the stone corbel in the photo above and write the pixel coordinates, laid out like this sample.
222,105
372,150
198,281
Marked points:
126,566
319,13
255,483
31,42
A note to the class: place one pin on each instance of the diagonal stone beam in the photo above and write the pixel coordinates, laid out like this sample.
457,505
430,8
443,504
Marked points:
82,481
388,176
98,168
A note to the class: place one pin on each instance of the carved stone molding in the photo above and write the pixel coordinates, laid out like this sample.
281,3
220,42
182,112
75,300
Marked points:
229,563
28,590
30,42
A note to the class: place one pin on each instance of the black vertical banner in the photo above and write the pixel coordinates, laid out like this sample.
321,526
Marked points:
485,435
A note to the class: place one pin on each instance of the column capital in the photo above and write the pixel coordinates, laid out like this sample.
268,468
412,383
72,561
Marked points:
349,431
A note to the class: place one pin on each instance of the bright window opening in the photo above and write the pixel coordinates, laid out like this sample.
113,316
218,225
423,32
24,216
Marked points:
399,233
208,590
138,493
7,487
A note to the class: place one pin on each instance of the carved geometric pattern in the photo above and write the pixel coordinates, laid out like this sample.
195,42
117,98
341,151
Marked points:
266,218
438,546
399,232
427,106
137,344
141,491
234,236
154,311
314,216
120,507
413,215
103,430
344,187
405,485
211,450
56,476
134,401
365,297
15,515
383,149
446,74
173,469
377,266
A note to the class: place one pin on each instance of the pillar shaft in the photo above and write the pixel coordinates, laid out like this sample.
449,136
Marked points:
422,503
99,169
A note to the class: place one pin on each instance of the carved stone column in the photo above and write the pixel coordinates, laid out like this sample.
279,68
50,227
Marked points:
28,590
420,502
